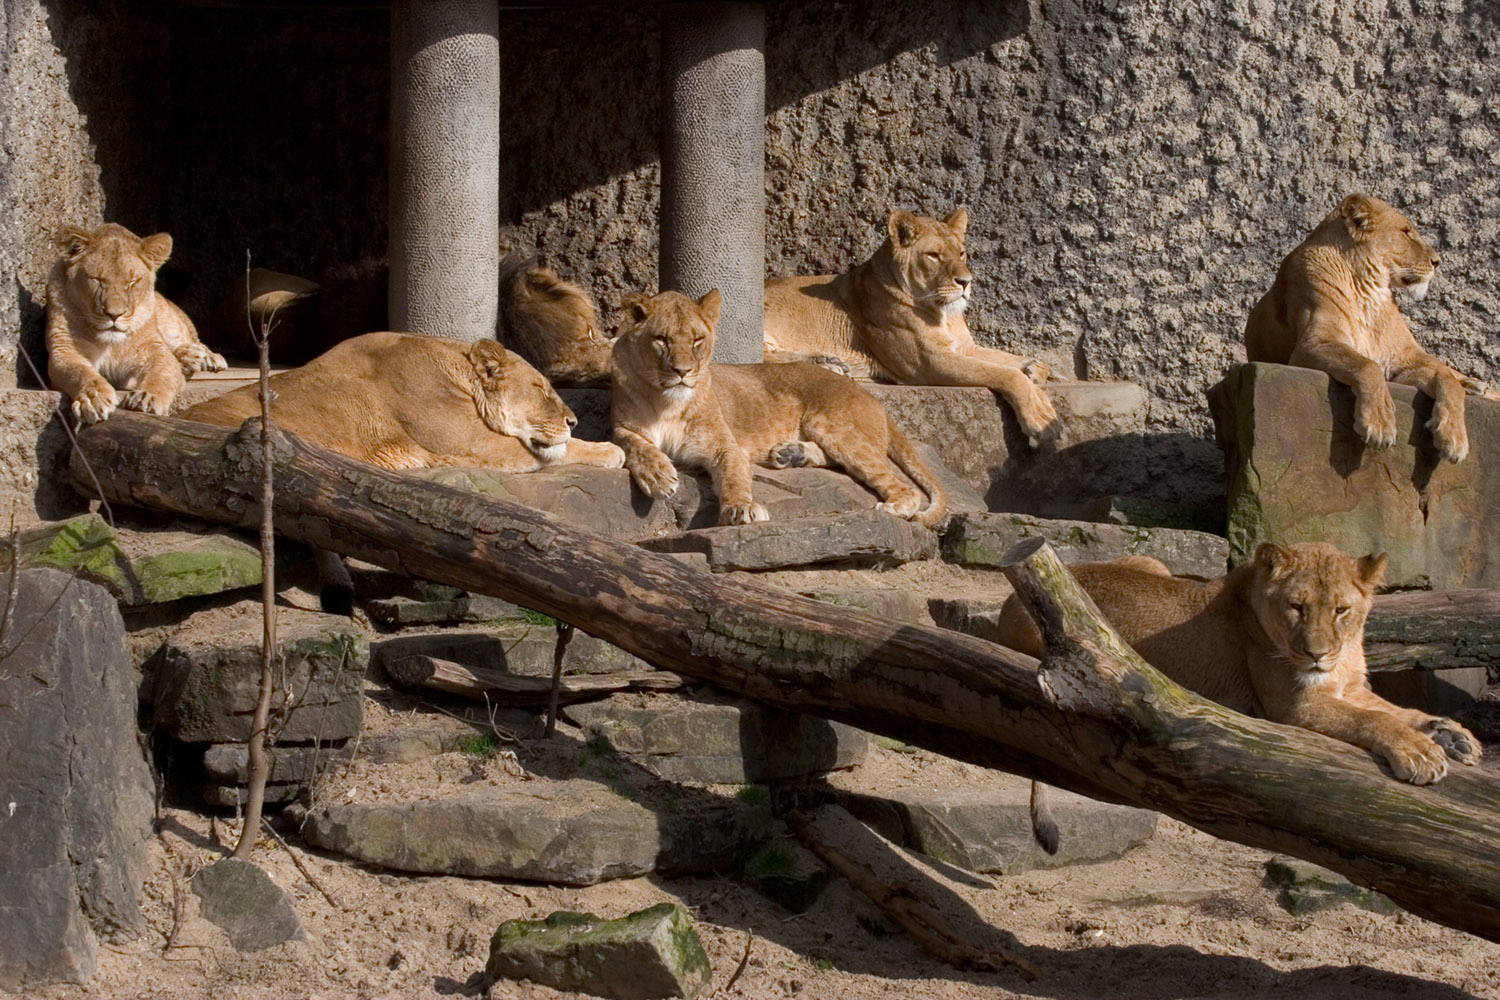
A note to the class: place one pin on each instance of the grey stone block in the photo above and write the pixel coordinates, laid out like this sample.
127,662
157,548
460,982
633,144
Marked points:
984,540
462,607
573,832
1306,888
205,688
857,538
520,649
650,953
715,740
77,790
1299,473
787,873
240,898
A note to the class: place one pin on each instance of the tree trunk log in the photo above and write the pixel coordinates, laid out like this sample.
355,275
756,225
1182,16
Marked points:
1095,719
1434,630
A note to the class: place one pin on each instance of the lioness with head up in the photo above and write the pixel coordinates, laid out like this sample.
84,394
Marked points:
109,329
668,402
899,317
1333,308
409,401
1281,637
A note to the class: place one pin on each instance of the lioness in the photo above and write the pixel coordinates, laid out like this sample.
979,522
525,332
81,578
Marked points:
1281,636
109,328
899,317
408,401
1332,308
669,403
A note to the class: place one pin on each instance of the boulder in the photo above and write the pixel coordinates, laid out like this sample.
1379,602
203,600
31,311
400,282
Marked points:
517,648
76,789
787,873
649,954
1306,888
985,539
205,687
240,898
1298,473
855,538
718,740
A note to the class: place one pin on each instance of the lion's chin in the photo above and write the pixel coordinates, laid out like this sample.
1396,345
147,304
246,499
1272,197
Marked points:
678,393
1418,290
548,453
111,335
956,305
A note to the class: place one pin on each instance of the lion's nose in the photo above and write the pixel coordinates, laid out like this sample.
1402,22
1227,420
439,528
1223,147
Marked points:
571,421
964,283
1436,260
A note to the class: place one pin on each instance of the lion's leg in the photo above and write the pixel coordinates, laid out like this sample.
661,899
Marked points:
604,454
1449,431
156,387
1458,742
1033,368
729,468
1033,409
649,466
94,399
857,443
489,450
1411,755
1374,412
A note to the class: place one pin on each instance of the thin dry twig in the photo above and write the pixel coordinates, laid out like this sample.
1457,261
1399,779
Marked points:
739,970
178,901
301,867
564,633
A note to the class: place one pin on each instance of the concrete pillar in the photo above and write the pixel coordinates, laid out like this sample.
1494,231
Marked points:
713,219
445,167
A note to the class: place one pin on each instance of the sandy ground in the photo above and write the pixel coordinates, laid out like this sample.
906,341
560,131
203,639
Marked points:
1185,915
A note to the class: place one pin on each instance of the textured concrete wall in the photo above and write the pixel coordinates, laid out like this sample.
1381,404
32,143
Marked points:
713,207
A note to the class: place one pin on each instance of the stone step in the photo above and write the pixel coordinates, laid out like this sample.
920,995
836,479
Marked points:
713,739
573,832
984,540
855,538
517,648
1299,473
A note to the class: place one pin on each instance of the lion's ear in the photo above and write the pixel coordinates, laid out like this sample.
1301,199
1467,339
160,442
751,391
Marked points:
635,306
156,249
1372,569
74,241
488,358
542,280
958,221
711,305
902,227
1359,215
1276,559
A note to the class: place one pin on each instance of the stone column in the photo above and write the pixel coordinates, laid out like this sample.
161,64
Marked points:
713,220
445,167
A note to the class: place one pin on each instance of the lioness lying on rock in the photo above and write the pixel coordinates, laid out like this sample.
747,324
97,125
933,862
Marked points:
1281,637
669,403
899,317
1332,308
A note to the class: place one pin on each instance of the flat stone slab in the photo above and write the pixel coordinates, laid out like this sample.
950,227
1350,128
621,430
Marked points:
459,606
517,648
1307,888
861,538
205,687
240,898
648,954
573,832
1299,473
984,540
988,828
141,568
717,740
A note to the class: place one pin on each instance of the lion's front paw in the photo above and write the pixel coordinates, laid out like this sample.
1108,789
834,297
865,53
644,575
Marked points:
790,455
907,505
655,476
1039,420
742,513
146,402
195,357
1375,418
605,454
1416,758
1449,433
833,364
1037,370
1456,741
95,403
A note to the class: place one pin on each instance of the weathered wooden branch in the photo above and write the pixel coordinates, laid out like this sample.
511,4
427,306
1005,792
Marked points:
1096,719
1434,630
421,670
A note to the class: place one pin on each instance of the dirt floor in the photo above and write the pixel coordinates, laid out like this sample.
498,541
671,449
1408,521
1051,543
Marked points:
1185,915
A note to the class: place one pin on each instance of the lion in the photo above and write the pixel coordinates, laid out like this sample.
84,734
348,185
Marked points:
898,317
1333,308
669,403
1281,637
408,401
109,329
551,322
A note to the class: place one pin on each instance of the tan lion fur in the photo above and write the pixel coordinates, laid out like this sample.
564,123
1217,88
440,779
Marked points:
407,401
899,317
109,329
670,403
1333,308
1281,636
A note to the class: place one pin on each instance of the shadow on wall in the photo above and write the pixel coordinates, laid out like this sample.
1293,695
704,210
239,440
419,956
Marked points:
33,342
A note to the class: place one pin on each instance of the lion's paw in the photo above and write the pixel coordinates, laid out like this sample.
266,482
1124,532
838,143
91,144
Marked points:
1419,760
195,357
1039,421
1037,370
145,402
1456,741
1449,434
1375,418
742,513
655,476
604,454
906,505
833,364
95,403
790,455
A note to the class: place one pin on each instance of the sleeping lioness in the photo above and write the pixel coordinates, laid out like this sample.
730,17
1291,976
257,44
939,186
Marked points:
669,403
1281,637
1332,308
899,317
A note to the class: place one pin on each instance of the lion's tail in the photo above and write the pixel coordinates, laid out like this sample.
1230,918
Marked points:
1043,823
905,455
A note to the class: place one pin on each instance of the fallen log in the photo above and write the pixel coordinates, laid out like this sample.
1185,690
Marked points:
1095,718
1433,630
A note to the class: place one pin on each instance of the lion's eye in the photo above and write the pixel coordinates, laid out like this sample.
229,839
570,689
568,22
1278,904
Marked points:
933,255
1297,609
660,341
1341,610
697,341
